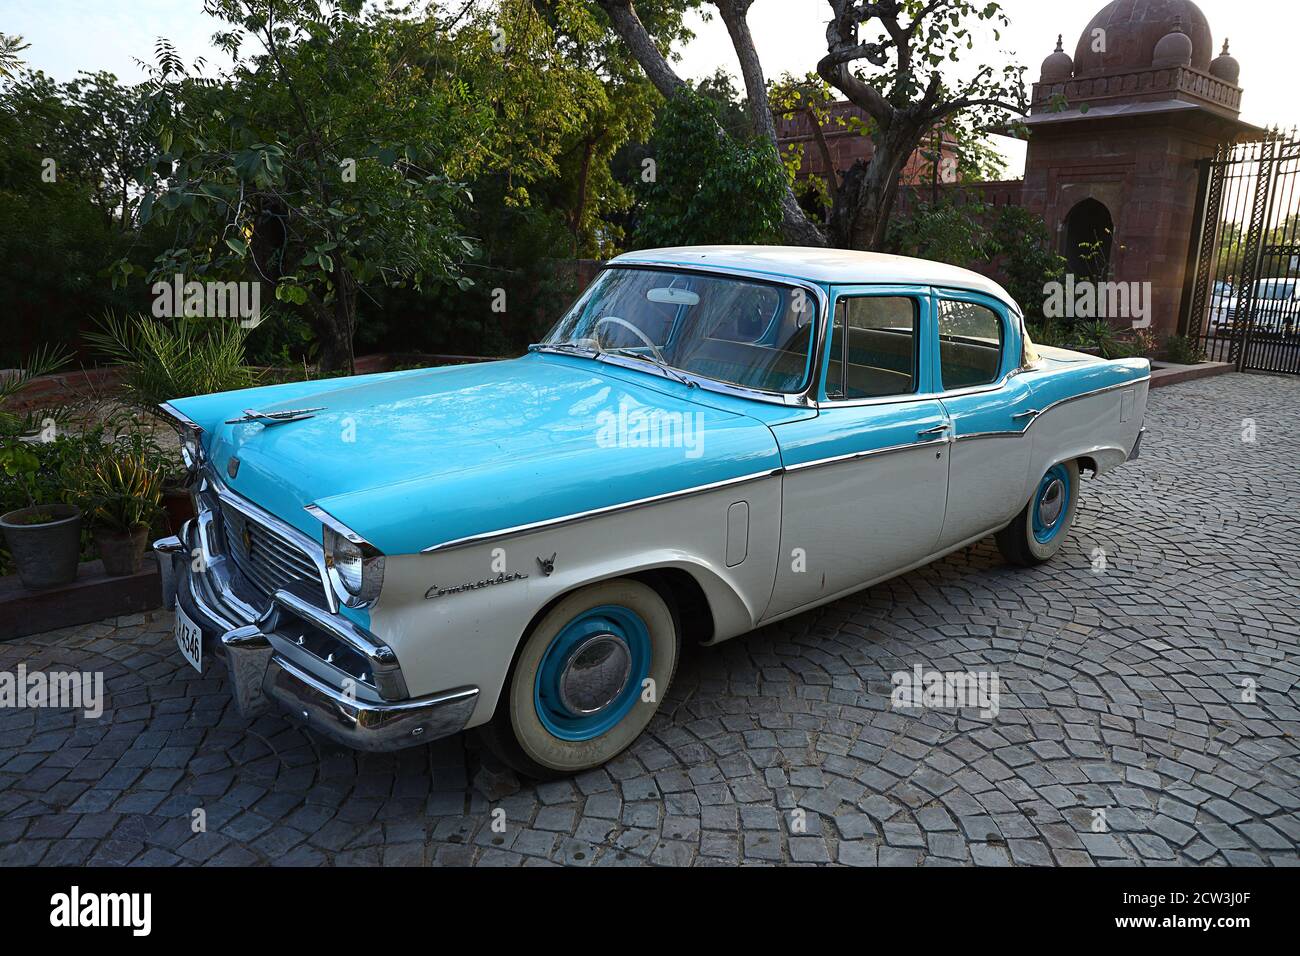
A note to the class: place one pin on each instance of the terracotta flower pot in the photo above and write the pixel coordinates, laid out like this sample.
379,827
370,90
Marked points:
122,552
45,553
178,507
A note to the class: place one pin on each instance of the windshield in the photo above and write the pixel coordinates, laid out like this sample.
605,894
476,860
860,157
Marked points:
739,331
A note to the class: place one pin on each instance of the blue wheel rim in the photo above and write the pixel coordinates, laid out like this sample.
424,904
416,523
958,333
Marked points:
1045,525
559,719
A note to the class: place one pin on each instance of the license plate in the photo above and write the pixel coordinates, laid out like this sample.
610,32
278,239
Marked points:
189,639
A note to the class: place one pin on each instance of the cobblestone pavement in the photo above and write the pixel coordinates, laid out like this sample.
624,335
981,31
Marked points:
1123,665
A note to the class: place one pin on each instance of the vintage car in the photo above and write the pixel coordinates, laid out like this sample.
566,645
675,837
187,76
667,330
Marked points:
711,439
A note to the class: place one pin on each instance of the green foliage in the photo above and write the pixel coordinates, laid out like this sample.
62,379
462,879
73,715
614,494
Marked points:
166,359
10,47
119,490
65,151
944,232
322,165
1028,260
708,187
1184,350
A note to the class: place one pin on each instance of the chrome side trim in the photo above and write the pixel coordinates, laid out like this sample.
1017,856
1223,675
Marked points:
599,512
1012,433
757,476
869,453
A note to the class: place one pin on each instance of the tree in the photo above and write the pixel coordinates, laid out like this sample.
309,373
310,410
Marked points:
325,162
61,169
709,188
894,78
10,61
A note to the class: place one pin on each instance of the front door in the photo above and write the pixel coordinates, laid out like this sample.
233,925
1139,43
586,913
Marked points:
866,479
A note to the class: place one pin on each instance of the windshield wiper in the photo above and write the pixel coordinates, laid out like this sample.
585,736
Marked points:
672,372
564,348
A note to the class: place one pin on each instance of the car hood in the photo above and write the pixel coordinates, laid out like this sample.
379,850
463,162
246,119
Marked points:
413,459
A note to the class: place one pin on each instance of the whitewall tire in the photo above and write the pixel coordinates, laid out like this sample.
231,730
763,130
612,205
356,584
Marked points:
586,680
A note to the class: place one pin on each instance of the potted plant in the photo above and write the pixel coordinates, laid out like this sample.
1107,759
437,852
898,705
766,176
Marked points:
162,360
124,494
43,534
44,537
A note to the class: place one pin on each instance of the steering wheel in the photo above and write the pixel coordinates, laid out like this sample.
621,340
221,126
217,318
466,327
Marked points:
614,319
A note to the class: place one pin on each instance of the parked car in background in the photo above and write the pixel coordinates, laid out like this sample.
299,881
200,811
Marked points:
710,440
1275,307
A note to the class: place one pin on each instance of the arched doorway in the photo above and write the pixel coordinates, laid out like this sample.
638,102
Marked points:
1088,232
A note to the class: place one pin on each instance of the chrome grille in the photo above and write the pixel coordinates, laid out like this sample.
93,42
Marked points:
268,561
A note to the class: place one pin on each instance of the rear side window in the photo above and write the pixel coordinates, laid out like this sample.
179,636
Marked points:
873,347
971,339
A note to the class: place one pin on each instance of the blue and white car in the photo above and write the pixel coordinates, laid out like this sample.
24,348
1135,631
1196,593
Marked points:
711,439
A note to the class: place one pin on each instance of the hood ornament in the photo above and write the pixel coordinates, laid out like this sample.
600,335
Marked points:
274,418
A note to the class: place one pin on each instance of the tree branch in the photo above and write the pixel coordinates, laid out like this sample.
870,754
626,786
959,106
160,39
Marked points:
630,29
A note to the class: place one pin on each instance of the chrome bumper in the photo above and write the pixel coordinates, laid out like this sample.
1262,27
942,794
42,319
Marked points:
1137,445
262,675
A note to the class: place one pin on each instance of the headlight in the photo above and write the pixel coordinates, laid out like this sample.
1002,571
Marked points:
354,566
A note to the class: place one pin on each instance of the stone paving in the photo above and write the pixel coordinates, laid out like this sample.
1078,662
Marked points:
1126,733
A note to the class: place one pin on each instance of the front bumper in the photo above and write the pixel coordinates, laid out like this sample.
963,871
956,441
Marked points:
258,657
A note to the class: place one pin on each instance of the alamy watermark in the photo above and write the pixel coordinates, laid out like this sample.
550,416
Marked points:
222,300
1088,299
636,427
922,688
75,690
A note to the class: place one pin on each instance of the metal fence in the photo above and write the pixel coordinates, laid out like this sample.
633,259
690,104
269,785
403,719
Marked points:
1244,297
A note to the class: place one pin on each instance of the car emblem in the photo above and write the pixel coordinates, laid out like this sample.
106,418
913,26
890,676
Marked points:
232,466
274,418
547,565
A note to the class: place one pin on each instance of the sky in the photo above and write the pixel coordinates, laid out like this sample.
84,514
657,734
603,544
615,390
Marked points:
71,35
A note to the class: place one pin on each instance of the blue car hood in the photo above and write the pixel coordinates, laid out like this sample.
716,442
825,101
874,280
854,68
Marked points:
412,459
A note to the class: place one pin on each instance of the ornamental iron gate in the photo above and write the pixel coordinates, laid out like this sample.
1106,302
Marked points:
1242,304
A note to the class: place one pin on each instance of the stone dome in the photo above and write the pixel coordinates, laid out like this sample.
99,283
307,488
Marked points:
1132,31
1173,49
1226,67
1058,66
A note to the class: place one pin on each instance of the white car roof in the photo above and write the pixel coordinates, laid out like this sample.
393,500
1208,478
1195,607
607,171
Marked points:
833,266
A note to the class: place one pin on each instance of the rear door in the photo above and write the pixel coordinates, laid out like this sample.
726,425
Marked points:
866,479
977,363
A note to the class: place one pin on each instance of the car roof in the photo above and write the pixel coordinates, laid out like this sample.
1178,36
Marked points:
827,266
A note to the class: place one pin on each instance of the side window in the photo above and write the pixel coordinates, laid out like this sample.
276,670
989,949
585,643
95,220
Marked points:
970,344
873,347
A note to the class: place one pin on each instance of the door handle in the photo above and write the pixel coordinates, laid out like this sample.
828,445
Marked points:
1027,413
936,430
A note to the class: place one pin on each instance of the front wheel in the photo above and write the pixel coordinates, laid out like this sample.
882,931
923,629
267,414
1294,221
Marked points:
1039,530
586,680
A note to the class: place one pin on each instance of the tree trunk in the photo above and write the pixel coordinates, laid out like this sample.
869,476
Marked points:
580,205
865,199
335,324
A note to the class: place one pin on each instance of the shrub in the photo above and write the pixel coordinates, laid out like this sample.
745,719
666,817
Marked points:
1184,350
164,360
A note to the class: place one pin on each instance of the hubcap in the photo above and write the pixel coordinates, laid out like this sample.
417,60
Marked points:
596,674
1050,504
590,677
1051,501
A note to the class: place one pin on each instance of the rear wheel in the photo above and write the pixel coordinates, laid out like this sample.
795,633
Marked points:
1039,530
586,680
